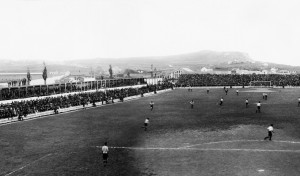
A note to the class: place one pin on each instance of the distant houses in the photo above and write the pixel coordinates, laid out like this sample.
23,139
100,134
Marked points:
206,70
265,71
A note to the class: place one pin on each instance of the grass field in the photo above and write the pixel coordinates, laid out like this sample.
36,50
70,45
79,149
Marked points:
207,140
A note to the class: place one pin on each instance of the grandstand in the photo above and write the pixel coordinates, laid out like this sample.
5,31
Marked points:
17,92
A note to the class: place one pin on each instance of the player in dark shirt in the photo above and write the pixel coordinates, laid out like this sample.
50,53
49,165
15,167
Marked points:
151,105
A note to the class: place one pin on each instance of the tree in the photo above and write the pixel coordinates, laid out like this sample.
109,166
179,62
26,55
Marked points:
110,72
28,76
45,73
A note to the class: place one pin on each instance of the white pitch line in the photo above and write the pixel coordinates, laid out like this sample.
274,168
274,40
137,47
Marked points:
200,149
292,142
218,142
28,164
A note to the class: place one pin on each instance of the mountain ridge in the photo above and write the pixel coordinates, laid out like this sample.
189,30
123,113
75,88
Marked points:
194,61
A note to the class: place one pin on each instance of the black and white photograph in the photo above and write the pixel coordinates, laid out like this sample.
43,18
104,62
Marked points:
149,87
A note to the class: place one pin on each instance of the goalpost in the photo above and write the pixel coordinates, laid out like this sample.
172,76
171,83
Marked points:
260,84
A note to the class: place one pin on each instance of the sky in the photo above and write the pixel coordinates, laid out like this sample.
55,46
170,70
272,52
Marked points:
268,30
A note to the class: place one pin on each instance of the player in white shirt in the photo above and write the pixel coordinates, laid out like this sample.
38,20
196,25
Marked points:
221,101
192,104
146,123
258,107
246,102
237,92
105,153
299,101
270,131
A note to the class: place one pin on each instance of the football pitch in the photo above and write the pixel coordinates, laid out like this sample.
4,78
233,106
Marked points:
207,140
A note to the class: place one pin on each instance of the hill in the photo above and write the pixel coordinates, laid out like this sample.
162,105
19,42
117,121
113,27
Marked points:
193,61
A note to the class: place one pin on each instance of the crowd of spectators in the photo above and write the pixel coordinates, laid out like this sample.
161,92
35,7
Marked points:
236,80
23,108
11,93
